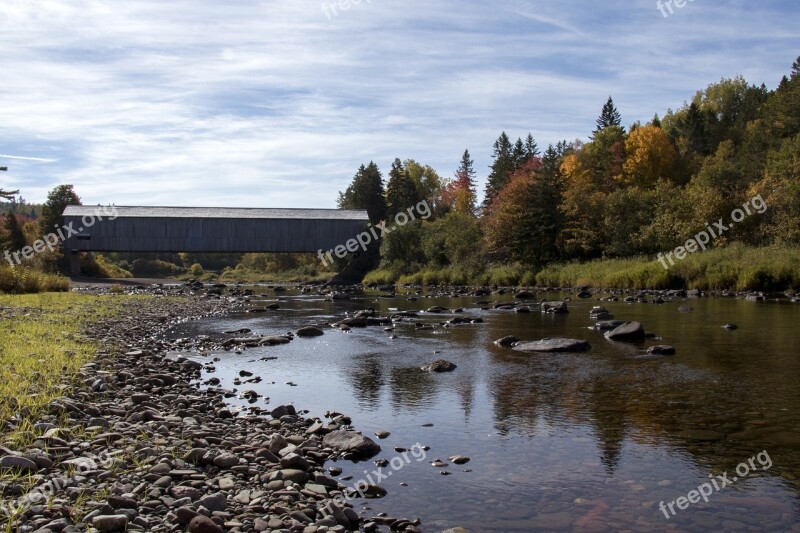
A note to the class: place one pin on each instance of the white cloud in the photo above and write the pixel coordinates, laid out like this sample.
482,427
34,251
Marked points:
273,104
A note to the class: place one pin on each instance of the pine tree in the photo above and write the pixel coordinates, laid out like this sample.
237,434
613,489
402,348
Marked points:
609,116
401,192
531,148
366,192
460,193
519,154
502,167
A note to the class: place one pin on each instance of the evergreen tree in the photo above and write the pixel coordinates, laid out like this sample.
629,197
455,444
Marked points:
502,168
519,154
15,239
531,148
460,193
57,200
401,191
366,192
609,116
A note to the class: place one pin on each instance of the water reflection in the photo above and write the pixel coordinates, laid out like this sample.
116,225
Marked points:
567,441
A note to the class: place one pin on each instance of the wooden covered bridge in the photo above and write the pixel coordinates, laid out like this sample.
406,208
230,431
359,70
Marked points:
206,229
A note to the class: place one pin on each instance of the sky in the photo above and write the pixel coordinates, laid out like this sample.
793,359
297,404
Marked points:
277,103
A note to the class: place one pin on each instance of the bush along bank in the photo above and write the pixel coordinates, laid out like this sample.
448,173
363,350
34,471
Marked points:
139,445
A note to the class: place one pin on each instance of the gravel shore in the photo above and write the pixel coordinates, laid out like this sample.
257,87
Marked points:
139,445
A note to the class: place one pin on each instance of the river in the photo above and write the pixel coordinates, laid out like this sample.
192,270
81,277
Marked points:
557,442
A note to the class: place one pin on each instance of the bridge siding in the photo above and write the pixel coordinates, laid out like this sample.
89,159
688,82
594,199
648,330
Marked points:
184,234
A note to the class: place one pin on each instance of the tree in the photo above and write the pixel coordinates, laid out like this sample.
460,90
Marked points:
427,181
8,195
365,192
502,167
401,192
650,156
609,116
460,194
57,200
16,238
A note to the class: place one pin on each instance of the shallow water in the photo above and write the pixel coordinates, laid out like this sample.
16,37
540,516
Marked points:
557,442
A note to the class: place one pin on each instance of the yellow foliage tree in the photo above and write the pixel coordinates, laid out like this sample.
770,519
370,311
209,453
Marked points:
650,156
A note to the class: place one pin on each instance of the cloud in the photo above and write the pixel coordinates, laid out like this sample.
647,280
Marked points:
274,104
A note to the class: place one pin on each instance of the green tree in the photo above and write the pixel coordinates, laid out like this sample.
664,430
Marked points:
365,192
502,168
401,192
609,116
57,200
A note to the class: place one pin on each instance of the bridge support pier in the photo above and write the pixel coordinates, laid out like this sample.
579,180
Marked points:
75,263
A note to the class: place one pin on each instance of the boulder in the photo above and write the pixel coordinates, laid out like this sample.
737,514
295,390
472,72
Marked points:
310,332
627,332
351,442
554,345
509,340
661,350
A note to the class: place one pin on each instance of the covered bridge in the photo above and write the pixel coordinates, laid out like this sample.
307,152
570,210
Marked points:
206,229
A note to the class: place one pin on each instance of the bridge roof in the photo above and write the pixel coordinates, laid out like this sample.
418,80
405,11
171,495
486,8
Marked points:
217,212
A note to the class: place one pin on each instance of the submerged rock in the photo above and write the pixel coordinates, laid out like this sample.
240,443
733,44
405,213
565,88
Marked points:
352,442
554,345
439,366
509,340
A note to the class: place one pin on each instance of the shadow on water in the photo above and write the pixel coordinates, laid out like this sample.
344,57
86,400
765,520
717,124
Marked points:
557,442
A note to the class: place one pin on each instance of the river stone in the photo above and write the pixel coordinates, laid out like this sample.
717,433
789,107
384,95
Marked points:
509,340
310,332
351,442
18,464
554,345
214,502
296,476
185,515
226,460
110,523
203,524
661,350
629,331
439,366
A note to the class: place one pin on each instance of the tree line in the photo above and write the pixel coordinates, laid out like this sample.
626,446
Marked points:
625,192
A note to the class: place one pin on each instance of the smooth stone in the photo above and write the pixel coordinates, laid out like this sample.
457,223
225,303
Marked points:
110,522
351,442
14,463
203,524
627,332
439,366
554,345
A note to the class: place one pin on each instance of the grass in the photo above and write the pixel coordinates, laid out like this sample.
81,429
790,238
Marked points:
23,280
41,351
734,267
297,275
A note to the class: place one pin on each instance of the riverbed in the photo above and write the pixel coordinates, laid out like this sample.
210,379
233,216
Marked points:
556,442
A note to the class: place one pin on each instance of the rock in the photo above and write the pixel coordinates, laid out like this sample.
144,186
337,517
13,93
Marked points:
195,455
13,463
185,515
295,476
310,332
121,502
203,524
351,442
554,345
661,350
627,332
439,366
525,295
556,308
110,523
509,340
214,502
608,325
226,460
459,459
282,411
731,327
382,434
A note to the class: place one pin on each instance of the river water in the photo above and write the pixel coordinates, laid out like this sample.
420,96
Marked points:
557,442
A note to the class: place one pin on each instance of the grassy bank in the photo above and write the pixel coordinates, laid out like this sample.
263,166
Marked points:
22,280
735,267
41,348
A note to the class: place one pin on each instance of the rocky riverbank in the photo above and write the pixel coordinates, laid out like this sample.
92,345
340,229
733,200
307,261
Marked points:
139,445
